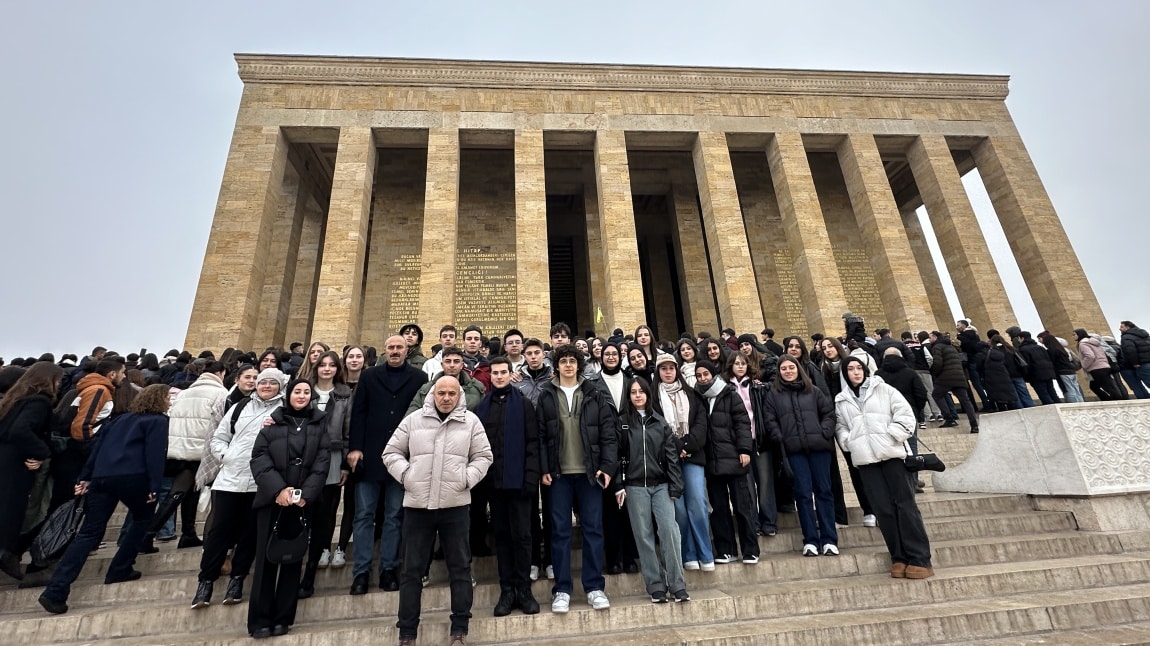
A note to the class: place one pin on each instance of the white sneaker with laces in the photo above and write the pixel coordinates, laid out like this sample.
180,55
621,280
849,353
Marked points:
707,566
810,550
338,559
324,559
534,573
691,565
560,603
830,549
551,572
598,600
870,521
724,558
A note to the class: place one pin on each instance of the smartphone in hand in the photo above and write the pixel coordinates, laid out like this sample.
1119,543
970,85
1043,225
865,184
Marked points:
296,496
601,478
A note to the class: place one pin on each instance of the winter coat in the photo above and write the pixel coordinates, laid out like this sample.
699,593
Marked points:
803,422
1135,347
1039,365
883,344
1092,355
194,414
473,391
971,345
273,460
24,429
900,376
874,425
996,376
234,450
598,427
728,433
415,357
947,366
95,394
1063,363
694,441
652,455
530,386
128,445
495,425
437,461
376,409
337,423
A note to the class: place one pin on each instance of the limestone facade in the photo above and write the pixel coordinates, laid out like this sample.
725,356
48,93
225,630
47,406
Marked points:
363,193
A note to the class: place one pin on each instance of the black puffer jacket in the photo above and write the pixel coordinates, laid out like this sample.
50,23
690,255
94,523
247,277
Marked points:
598,425
1039,365
728,433
905,380
1135,347
996,375
947,367
652,455
272,457
803,422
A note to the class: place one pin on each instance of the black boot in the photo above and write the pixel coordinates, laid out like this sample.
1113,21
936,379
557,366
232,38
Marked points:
203,597
235,593
527,600
148,546
507,601
359,584
307,583
389,580
189,540
10,564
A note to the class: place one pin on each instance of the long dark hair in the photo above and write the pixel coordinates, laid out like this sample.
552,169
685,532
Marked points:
631,414
42,378
1051,342
803,377
339,378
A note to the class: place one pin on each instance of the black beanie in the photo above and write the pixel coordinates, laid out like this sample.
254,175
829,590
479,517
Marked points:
708,365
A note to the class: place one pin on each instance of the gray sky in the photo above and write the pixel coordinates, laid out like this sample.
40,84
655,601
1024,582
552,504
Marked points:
119,116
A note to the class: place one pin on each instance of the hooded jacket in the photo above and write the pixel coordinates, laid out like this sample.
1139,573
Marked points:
234,450
473,392
1135,347
652,455
803,422
95,394
1039,365
1092,355
947,366
900,376
598,428
728,429
437,461
194,414
873,425
274,455
996,375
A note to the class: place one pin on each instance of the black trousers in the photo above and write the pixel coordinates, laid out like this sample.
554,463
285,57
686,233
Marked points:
420,527
480,527
65,468
541,528
275,588
511,520
941,393
898,516
233,525
838,492
323,522
618,539
345,523
15,483
722,490
1102,384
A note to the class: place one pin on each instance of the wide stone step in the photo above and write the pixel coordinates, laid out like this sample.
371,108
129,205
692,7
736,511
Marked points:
1127,634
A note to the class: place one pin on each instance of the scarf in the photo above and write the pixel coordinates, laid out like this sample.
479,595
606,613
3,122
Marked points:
676,406
711,390
613,371
514,433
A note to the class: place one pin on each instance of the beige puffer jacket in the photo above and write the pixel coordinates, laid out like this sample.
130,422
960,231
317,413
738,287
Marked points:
438,462
195,414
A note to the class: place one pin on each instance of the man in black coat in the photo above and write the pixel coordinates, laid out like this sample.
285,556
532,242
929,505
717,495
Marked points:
379,405
974,349
1039,368
1135,358
949,379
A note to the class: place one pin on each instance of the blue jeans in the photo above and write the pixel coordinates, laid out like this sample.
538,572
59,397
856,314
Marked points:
363,530
1024,399
103,495
566,492
813,478
643,504
1071,389
1139,379
691,514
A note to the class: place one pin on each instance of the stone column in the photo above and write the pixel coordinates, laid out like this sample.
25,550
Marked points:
339,296
623,286
226,309
1051,269
306,274
440,229
820,288
900,284
279,279
968,259
736,292
534,296
694,269
939,305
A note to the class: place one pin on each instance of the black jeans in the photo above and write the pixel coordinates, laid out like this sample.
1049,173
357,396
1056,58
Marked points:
618,538
420,527
942,394
898,517
480,527
323,522
275,588
511,520
721,490
233,525
541,528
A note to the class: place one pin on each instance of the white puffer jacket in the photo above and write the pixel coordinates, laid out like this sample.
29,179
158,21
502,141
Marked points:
194,414
874,425
438,462
235,451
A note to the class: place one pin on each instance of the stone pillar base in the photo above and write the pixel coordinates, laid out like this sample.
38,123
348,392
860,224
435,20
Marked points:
1116,513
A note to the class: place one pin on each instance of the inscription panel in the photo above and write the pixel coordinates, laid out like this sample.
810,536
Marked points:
404,306
860,287
485,289
789,289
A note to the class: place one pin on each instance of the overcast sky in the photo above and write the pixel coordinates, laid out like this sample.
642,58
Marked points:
119,116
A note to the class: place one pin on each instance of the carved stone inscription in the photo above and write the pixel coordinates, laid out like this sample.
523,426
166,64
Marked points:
789,287
860,287
485,289
404,306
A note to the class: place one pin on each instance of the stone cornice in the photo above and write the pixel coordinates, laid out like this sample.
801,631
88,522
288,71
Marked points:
344,70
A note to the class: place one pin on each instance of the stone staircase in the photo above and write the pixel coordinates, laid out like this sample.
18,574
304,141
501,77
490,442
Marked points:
1006,574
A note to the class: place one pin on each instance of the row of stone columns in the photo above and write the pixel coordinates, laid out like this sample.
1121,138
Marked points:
264,224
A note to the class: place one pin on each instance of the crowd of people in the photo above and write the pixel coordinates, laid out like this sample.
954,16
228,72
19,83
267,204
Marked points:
671,456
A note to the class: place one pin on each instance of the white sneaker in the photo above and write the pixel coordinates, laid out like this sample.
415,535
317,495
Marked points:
551,572
426,580
707,566
751,560
724,559
870,521
598,600
830,549
338,559
810,550
324,559
691,565
560,603
534,573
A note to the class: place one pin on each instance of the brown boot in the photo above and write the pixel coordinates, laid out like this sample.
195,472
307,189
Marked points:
919,572
898,571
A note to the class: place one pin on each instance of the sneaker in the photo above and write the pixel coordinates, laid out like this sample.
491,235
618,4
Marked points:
426,580
560,603
922,425
724,558
707,566
830,549
324,559
950,423
752,559
682,596
550,572
870,521
534,576
810,550
691,565
338,558
598,600
772,532
658,597
473,581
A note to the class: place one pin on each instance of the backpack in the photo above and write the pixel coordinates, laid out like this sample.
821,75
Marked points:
209,464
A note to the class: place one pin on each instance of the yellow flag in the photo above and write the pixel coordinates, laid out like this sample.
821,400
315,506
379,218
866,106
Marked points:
598,315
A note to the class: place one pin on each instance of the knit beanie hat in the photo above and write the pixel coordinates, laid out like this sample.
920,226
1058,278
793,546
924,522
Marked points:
708,365
663,357
273,373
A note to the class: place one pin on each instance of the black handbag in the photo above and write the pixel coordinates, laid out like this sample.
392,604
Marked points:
287,543
58,531
924,461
